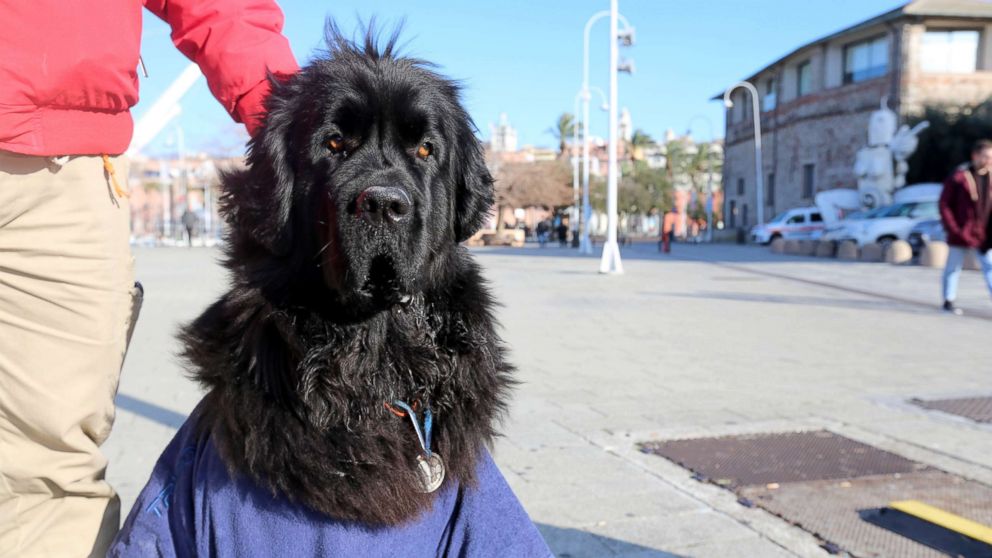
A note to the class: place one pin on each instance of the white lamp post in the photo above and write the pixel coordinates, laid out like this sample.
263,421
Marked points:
757,142
585,246
578,218
610,262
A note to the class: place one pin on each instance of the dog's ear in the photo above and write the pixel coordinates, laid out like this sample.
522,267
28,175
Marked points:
474,196
260,201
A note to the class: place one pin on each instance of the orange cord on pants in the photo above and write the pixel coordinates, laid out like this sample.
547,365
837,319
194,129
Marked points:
107,166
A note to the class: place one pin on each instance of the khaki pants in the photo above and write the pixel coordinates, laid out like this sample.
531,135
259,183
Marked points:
66,282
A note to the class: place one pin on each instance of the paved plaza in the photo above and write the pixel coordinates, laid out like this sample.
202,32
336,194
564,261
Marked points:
711,339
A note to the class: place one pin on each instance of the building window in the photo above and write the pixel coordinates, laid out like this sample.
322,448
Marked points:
770,190
949,52
866,60
804,79
740,186
769,101
808,176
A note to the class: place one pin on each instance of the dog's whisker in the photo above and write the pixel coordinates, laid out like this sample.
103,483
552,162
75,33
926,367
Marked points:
321,251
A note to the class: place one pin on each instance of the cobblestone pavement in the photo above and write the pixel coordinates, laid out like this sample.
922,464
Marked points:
711,339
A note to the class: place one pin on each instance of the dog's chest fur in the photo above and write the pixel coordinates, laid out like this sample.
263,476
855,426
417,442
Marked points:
297,402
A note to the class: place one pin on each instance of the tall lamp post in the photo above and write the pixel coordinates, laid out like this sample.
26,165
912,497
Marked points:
610,262
585,246
576,218
709,174
727,102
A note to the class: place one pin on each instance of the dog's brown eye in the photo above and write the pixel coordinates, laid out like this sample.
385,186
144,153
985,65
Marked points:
335,144
425,150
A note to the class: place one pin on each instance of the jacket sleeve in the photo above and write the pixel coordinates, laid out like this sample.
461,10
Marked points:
947,217
235,43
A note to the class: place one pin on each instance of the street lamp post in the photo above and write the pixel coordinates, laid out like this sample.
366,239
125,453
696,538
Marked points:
575,170
585,246
610,262
580,217
757,142
709,174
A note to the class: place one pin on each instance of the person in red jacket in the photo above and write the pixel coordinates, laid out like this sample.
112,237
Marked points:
966,213
68,78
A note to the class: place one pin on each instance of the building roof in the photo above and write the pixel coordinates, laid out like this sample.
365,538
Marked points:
977,9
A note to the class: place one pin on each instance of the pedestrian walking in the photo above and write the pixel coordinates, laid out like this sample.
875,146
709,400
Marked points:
542,232
67,291
965,208
189,220
562,234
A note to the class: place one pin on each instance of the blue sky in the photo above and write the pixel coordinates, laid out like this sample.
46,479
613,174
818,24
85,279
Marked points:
524,58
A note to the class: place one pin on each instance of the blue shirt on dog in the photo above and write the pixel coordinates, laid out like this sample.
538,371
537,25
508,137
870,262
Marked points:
191,507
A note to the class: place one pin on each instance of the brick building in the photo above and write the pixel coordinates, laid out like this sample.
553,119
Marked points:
815,101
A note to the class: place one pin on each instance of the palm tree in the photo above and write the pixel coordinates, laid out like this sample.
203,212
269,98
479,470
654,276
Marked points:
638,141
564,128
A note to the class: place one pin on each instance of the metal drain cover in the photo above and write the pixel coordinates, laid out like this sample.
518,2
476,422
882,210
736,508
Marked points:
841,508
734,461
833,487
978,409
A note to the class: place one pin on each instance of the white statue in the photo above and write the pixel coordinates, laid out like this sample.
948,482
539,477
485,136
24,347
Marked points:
881,165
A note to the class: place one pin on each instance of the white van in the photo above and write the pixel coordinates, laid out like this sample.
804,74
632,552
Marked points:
798,223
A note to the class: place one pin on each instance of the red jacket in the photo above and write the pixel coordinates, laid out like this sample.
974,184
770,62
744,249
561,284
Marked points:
68,68
959,211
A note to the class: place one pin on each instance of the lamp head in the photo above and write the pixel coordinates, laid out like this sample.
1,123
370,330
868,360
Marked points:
626,36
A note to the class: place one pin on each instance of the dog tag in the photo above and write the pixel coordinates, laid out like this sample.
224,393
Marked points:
430,470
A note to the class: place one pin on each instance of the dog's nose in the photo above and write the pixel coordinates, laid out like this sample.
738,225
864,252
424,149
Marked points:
383,204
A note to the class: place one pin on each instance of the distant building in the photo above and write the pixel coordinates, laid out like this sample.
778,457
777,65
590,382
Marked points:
503,137
816,100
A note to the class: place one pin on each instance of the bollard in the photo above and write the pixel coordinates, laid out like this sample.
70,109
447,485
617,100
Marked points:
848,250
778,246
934,254
871,252
826,249
807,247
899,253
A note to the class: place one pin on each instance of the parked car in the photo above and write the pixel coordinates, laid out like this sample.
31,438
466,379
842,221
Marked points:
924,232
848,227
798,223
895,222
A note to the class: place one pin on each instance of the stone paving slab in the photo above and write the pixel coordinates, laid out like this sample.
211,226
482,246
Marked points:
706,340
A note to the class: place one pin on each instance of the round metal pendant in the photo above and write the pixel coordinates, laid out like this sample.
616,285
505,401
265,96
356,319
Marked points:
430,472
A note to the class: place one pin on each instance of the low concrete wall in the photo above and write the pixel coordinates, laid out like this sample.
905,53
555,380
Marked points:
778,246
848,250
871,252
934,254
899,252
826,249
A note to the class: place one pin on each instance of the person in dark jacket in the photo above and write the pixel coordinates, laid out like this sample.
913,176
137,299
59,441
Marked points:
68,78
965,210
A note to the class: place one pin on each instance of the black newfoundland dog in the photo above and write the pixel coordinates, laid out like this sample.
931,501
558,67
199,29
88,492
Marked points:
354,375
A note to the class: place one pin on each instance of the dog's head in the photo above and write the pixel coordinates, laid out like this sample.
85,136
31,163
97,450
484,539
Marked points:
368,167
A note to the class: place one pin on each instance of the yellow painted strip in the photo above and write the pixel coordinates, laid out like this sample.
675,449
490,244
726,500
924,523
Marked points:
945,519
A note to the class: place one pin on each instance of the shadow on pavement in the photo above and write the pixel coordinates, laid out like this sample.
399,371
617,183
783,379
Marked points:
150,411
576,543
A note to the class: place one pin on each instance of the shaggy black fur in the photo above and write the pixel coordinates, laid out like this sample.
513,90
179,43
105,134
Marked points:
330,316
